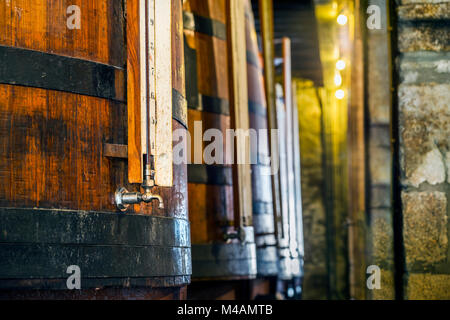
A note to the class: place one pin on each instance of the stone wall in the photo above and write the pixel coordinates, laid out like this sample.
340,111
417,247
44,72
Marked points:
423,66
315,283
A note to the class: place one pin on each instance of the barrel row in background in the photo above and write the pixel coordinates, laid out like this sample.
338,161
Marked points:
267,263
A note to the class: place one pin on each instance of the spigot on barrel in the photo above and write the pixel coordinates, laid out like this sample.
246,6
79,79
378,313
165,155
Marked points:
124,198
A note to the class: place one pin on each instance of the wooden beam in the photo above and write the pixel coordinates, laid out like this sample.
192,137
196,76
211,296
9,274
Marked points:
267,30
287,72
134,92
111,150
356,164
287,90
149,81
163,84
239,111
297,170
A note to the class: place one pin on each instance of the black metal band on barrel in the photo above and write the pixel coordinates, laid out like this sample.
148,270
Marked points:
210,174
253,60
208,26
31,68
224,260
179,108
97,242
267,260
212,104
257,108
215,105
260,207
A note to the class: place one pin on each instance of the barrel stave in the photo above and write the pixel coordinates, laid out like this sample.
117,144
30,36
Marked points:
42,26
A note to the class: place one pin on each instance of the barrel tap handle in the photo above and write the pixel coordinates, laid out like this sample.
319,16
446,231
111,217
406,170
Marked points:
124,198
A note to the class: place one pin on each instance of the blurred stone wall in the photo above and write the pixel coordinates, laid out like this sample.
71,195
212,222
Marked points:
423,65
315,283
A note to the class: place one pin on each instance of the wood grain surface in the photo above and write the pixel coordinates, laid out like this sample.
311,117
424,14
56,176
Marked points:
52,151
210,205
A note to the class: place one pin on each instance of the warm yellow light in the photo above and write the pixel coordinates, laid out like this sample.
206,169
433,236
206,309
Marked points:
340,94
342,19
337,79
340,65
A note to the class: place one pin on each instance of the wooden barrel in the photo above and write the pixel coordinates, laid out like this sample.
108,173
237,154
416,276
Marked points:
283,242
298,278
210,185
63,124
263,216
290,237
293,214
290,262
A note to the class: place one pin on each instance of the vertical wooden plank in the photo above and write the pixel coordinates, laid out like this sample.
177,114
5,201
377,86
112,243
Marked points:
149,66
134,92
163,83
287,89
239,110
287,73
297,170
146,45
266,18
283,218
356,164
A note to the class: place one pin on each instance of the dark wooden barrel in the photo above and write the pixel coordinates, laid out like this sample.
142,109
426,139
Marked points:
211,185
263,216
62,106
298,277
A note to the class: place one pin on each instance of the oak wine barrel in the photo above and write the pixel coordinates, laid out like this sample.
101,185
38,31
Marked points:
210,188
298,277
293,172
283,239
290,257
263,215
63,124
